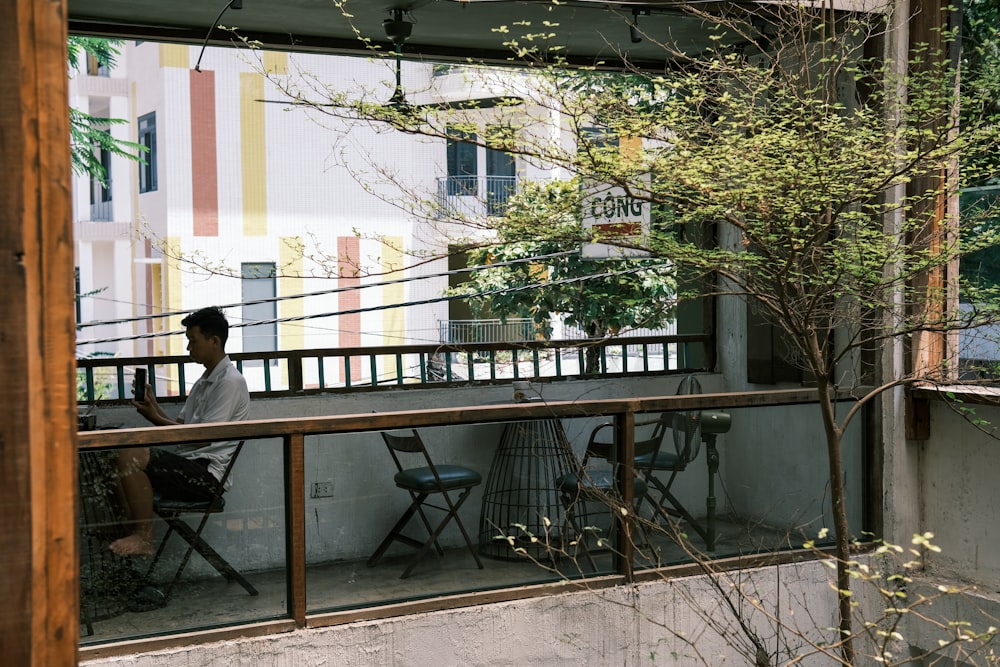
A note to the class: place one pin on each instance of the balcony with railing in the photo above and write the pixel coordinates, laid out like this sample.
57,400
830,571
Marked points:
470,196
313,493
523,329
513,329
102,211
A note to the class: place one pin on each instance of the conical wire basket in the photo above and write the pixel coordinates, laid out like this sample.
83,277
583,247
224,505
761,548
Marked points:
520,491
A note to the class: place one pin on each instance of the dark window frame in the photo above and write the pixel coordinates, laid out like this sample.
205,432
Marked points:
147,137
259,337
463,164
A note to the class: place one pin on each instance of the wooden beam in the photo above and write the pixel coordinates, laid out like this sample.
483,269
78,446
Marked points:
936,292
39,624
295,512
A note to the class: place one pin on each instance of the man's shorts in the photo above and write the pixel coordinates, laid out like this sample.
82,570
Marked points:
180,478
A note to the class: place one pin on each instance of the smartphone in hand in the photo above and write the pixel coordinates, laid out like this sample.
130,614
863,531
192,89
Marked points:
139,385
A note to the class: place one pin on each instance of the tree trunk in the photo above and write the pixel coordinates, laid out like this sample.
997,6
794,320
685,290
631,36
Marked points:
592,357
834,437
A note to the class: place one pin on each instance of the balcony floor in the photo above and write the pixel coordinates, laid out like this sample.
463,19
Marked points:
206,603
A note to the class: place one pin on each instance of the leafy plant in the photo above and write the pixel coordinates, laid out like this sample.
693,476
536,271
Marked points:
806,178
92,133
601,297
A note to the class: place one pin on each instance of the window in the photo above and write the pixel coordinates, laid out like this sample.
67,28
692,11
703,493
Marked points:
593,138
500,180
463,172
76,283
259,285
100,191
147,138
95,68
769,352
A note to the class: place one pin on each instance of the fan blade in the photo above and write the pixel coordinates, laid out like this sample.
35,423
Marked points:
687,424
474,103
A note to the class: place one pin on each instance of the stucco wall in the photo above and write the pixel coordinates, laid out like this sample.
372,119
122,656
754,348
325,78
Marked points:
677,622
959,468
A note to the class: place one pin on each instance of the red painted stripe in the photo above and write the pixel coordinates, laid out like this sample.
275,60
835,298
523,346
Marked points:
204,165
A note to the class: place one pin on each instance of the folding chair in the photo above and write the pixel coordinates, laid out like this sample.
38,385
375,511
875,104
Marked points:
599,486
421,483
171,511
687,444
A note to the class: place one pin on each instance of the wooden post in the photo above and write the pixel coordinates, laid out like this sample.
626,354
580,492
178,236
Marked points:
39,624
937,291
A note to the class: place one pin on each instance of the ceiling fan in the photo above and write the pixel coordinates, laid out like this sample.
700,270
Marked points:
398,30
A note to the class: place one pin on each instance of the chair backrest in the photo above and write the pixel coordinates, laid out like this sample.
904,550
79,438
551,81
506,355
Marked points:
409,443
602,442
230,465
651,444
217,502
404,443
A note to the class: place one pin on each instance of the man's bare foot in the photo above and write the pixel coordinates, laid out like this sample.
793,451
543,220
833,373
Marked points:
133,545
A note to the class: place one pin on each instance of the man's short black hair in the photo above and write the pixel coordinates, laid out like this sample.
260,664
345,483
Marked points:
211,321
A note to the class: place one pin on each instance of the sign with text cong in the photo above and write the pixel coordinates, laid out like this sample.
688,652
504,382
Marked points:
616,220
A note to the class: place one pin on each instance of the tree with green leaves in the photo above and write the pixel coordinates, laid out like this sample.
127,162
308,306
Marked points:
809,177
600,296
88,133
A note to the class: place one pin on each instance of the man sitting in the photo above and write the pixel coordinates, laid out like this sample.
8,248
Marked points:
190,472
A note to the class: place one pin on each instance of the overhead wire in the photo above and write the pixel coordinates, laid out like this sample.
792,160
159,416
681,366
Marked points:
335,290
369,309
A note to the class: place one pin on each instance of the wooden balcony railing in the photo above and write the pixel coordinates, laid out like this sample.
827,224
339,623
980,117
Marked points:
290,435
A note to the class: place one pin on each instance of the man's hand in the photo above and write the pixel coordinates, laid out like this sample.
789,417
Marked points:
151,410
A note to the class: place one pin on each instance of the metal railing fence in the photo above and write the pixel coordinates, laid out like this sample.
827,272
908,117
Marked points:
293,372
475,195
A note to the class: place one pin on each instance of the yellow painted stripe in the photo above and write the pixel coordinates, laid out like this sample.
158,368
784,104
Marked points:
134,168
254,162
173,296
276,62
138,310
156,287
175,55
392,318
290,336
629,147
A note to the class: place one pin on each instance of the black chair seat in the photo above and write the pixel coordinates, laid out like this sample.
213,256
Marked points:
598,483
173,505
423,480
660,460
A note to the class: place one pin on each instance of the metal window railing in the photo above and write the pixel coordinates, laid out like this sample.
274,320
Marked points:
475,195
293,372
102,211
514,329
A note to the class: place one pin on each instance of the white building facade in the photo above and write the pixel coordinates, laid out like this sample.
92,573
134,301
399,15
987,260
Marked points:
246,201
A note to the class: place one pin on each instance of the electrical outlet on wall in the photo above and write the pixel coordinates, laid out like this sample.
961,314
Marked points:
322,490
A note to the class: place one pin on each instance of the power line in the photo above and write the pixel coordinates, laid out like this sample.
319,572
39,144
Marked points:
335,290
307,328
422,302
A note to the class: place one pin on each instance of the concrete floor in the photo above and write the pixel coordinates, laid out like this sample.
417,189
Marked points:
207,603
